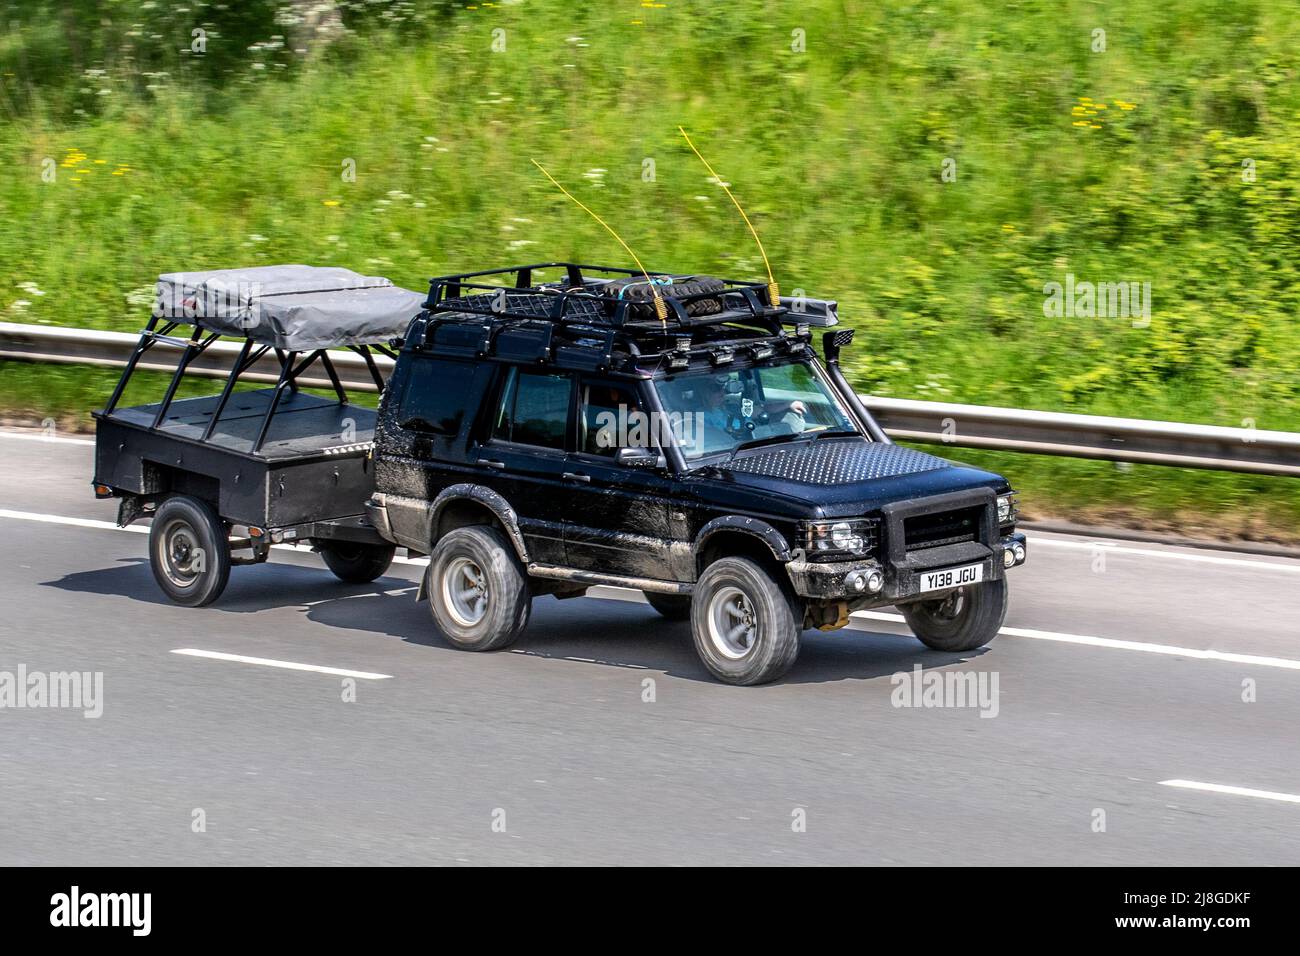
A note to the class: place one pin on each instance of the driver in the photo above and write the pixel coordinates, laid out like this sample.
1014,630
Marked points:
714,395
724,424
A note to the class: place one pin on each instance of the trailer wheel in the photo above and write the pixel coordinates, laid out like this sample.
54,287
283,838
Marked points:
478,591
675,607
356,563
962,620
189,551
745,622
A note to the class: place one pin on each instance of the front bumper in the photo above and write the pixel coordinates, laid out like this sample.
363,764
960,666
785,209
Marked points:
901,579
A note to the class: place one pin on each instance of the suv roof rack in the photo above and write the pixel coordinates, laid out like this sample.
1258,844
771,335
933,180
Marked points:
580,299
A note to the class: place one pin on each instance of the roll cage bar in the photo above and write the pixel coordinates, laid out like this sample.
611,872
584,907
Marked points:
292,365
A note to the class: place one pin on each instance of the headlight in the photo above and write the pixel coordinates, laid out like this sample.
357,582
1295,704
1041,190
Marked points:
843,538
854,537
1006,509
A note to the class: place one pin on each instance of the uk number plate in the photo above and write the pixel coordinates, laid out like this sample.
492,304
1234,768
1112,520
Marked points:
952,577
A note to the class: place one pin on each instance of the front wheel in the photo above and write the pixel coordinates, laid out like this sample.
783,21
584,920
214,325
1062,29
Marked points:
746,624
356,563
189,551
478,591
962,620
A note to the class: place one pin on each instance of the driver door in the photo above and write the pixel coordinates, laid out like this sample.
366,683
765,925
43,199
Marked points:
618,516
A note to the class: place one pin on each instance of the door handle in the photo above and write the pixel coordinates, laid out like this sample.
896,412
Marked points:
487,463
574,476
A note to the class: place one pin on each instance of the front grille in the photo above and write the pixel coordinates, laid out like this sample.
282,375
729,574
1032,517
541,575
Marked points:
942,527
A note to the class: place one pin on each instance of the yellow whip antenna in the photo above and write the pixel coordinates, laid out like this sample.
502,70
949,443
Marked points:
773,291
661,310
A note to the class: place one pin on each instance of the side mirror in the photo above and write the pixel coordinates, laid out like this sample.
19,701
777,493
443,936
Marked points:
638,458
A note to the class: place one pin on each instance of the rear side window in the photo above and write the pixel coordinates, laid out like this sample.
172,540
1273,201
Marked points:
534,409
434,400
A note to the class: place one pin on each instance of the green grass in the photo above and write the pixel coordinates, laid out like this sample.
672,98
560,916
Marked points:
836,153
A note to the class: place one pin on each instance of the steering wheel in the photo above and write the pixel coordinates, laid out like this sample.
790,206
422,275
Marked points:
738,426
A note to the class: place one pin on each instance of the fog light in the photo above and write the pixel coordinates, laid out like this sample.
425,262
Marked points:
875,581
1008,558
1020,553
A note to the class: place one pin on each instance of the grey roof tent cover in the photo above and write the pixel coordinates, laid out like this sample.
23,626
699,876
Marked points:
292,307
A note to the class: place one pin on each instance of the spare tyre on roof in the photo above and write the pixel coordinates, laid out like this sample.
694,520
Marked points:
292,307
641,293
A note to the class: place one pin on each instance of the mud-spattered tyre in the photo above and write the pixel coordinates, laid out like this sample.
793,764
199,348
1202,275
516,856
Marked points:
641,294
746,623
356,563
675,607
189,551
966,618
478,591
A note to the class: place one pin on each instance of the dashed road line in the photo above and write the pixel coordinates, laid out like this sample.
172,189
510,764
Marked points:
286,665
1146,647
1233,791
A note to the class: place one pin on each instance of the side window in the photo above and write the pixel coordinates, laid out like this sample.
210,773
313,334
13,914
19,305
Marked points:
534,409
435,395
611,419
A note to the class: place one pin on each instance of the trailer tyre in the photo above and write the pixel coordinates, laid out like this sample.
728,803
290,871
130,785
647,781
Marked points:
478,591
675,607
962,620
745,622
356,563
189,551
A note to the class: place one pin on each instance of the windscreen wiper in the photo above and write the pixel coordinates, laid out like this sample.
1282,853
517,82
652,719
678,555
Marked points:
837,433
759,442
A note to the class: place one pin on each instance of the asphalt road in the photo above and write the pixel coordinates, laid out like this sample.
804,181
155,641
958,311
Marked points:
550,753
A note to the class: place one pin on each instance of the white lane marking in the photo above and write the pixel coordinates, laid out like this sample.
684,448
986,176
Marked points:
75,522
1116,644
1110,548
1234,791
287,665
1145,647
40,436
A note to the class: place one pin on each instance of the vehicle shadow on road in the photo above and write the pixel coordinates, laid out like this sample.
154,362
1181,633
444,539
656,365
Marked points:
630,634
251,589
614,633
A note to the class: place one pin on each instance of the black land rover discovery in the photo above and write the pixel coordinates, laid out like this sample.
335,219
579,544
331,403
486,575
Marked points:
677,435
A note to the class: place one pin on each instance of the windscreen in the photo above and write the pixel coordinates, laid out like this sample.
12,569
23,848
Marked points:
721,409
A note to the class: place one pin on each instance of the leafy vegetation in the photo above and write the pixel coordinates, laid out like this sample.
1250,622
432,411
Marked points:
932,165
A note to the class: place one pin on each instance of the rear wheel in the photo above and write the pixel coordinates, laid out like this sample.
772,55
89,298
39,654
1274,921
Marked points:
675,607
356,563
962,620
478,592
189,551
745,622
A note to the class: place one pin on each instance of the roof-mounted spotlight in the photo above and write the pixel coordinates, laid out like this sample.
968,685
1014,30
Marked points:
680,356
